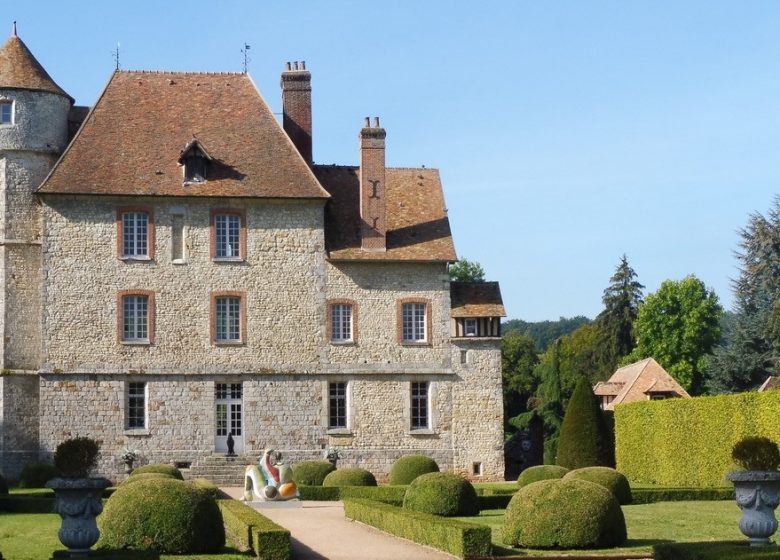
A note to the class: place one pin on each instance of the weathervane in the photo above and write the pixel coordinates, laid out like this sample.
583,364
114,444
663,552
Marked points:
245,52
115,54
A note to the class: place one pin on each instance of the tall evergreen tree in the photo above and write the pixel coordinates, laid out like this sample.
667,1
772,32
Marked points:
584,438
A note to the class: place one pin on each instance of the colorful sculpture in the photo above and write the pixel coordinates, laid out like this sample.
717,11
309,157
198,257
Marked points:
269,480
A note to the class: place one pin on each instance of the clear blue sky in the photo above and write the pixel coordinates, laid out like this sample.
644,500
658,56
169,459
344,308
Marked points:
567,133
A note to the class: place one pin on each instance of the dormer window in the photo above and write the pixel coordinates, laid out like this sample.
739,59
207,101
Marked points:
194,160
6,112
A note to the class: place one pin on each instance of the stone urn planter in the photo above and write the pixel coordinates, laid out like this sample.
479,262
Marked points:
78,501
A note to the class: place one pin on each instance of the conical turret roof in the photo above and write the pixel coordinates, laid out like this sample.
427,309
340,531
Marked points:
20,70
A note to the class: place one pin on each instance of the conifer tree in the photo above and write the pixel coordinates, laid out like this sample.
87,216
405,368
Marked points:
584,440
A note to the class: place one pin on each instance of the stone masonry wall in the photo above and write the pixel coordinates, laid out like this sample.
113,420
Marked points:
18,423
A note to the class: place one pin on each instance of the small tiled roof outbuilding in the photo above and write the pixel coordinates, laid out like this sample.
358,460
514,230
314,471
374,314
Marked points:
476,299
638,381
19,69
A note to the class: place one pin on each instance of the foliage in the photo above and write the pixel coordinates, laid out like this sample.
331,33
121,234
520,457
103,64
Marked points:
254,531
688,442
163,515
461,539
544,333
36,475
312,473
756,454
540,472
147,476
610,479
464,270
518,360
75,457
205,485
653,495
409,467
564,514
170,470
350,477
679,325
584,439
3,485
387,494
441,493
721,550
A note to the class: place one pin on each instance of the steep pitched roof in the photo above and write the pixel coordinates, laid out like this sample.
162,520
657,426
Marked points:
640,378
19,69
132,139
476,299
772,382
417,225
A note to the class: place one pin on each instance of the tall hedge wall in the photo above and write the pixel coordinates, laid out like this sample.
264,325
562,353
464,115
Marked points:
687,442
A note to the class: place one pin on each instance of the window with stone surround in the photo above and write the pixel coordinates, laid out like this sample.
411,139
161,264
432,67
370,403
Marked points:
337,405
135,317
135,233
342,324
228,235
419,400
414,321
6,112
228,318
136,406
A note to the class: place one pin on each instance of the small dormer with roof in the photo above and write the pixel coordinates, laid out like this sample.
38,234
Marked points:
476,310
641,381
195,161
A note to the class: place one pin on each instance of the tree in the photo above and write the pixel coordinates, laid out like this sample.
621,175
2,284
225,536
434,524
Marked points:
464,270
584,439
544,333
679,325
518,360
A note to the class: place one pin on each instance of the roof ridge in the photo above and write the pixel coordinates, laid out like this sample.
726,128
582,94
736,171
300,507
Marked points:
182,72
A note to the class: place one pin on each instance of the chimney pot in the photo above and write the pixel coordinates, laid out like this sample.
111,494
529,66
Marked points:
289,66
303,65
376,122
368,122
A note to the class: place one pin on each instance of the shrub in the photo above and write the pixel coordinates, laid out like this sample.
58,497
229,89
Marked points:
584,440
3,486
254,531
540,472
147,476
610,479
756,454
165,515
409,467
159,469
653,495
349,477
36,475
564,514
312,473
723,550
387,494
444,494
74,458
207,486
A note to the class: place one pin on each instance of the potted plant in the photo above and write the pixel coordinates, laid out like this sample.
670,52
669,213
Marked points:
757,487
77,495
333,455
128,457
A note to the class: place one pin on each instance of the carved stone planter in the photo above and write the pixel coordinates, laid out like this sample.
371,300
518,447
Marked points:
757,494
78,503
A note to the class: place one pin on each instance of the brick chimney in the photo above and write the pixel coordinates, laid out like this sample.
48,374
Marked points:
373,206
296,107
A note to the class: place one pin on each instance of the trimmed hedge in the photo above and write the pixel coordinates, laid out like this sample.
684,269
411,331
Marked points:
409,467
568,514
540,472
147,476
610,479
653,495
36,475
3,486
349,477
12,503
170,470
312,473
441,493
386,494
725,550
253,531
456,537
688,442
207,486
494,501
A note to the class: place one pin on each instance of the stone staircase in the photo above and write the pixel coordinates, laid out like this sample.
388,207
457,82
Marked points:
221,469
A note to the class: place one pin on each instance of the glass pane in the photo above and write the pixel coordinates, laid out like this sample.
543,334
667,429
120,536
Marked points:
227,229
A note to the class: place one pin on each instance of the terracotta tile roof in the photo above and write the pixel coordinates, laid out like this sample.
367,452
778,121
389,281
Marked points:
133,137
605,388
20,70
417,225
772,382
476,299
640,379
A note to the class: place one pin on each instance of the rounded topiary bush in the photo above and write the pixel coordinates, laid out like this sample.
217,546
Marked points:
147,476
3,486
205,485
409,467
36,475
312,473
159,469
165,515
75,457
441,493
349,477
540,472
564,514
610,479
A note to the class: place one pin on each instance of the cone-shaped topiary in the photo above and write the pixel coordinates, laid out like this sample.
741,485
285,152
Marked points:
312,473
409,467
170,470
350,477
540,472
584,440
165,515
36,475
441,493
612,480
564,514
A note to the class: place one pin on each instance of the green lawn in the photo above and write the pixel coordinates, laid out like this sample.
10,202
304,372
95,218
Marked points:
26,536
647,524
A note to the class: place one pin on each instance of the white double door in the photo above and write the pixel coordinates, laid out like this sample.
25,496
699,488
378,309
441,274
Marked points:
228,416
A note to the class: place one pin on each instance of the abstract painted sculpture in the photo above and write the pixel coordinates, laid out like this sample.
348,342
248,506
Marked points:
269,481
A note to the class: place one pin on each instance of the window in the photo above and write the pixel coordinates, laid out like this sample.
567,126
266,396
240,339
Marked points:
419,408
414,321
471,327
228,324
337,405
341,321
135,233
6,112
136,406
228,235
135,313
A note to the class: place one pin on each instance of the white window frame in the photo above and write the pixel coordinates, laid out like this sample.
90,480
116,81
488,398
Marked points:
227,243
415,408
132,426
139,307
414,319
470,327
135,234
227,308
5,103
341,327
341,400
